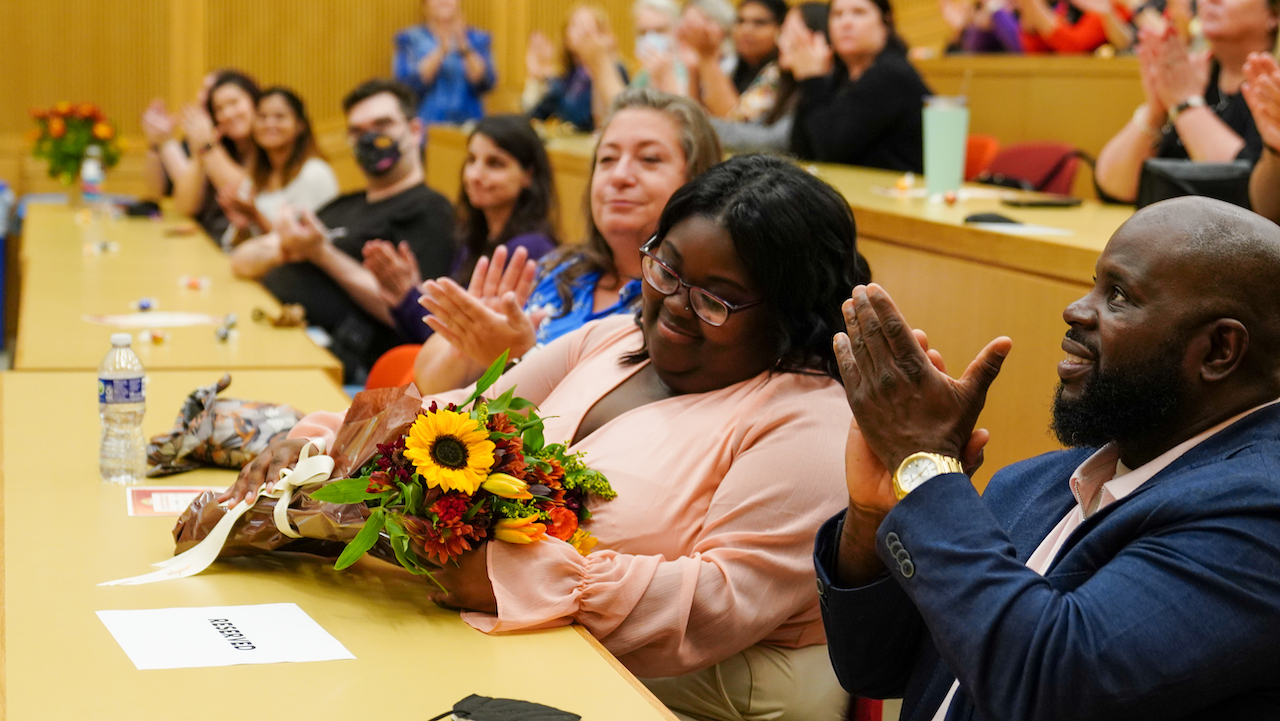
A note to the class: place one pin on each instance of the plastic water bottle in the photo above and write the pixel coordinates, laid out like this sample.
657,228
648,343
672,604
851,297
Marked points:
6,205
91,176
121,405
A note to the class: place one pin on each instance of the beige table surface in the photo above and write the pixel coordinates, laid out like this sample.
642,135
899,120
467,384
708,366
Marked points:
61,284
66,531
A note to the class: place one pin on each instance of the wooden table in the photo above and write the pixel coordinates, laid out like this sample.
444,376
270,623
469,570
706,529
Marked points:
961,284
65,531
61,283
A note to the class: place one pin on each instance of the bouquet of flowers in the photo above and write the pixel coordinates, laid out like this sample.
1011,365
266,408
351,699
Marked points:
464,474
64,134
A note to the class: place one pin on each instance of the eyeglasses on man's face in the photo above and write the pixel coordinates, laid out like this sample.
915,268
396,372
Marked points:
709,307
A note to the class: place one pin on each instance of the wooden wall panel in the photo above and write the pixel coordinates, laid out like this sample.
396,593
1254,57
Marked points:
320,48
114,54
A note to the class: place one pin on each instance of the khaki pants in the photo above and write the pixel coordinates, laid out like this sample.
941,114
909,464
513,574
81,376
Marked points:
763,683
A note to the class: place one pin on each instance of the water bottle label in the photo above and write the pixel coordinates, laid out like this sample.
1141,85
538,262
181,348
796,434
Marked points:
120,390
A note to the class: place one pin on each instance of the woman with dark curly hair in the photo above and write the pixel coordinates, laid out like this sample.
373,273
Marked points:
718,416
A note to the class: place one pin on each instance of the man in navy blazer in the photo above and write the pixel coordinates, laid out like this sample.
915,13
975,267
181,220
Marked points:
1136,576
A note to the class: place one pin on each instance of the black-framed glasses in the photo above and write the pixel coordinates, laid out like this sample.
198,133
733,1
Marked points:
709,307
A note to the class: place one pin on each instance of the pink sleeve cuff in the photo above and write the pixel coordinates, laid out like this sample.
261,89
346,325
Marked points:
537,586
322,425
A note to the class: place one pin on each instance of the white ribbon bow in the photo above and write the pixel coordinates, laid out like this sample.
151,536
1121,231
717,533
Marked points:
312,468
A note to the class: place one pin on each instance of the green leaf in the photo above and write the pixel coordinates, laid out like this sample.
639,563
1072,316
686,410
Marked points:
363,541
502,402
489,377
348,490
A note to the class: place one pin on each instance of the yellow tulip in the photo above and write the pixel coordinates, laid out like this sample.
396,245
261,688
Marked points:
506,486
520,530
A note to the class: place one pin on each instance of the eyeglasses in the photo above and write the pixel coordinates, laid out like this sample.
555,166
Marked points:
711,308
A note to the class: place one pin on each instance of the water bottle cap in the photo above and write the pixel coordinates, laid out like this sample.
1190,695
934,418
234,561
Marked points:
121,339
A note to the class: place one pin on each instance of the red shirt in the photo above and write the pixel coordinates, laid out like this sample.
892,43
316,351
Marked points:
1085,36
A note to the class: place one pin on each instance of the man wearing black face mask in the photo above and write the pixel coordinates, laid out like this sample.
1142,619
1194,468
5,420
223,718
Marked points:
1136,576
315,259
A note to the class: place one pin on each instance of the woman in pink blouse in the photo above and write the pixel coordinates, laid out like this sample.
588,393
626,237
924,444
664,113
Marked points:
718,416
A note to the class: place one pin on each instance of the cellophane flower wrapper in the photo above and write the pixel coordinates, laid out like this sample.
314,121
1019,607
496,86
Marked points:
218,431
374,416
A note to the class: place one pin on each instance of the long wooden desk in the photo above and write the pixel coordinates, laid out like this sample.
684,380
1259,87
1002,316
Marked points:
961,284
65,531
61,283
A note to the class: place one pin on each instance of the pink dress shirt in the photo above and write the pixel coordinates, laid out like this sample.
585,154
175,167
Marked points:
1097,483
707,550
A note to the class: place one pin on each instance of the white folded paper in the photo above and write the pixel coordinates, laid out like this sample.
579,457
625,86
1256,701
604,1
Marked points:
221,636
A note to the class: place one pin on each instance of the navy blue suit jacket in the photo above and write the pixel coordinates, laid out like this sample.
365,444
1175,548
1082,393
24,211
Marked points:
1163,605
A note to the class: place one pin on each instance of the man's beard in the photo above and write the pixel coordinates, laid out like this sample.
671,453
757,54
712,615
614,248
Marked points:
1123,403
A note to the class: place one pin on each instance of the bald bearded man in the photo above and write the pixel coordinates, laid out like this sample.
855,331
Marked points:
1136,576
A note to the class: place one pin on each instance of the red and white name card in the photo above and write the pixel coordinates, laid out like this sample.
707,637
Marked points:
164,500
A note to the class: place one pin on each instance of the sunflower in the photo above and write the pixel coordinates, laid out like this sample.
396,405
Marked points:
450,450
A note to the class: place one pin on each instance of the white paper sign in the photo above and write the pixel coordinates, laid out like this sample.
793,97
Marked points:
221,636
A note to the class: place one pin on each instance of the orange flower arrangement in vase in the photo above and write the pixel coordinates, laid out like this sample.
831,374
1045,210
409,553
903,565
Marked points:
64,134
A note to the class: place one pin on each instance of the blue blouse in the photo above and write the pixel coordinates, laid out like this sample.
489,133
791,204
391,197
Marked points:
558,323
568,98
450,98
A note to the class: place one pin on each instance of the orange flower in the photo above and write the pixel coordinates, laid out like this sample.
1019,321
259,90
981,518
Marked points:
444,542
103,131
63,108
57,127
87,111
39,113
564,523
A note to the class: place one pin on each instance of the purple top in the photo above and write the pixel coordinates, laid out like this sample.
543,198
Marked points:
1004,35
408,314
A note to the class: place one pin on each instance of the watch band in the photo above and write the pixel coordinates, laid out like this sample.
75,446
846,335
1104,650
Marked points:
1195,101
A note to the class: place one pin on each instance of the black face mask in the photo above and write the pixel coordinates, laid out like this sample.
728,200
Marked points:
377,153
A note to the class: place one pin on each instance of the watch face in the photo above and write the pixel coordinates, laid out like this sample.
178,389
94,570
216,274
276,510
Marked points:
916,472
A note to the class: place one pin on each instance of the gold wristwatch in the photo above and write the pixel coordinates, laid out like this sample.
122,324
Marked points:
920,467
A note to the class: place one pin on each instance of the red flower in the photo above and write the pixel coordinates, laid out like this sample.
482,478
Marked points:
57,127
379,481
39,113
88,111
450,507
563,523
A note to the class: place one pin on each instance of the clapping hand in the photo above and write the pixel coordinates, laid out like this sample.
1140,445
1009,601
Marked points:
240,211
302,235
198,127
395,267
488,316
1261,91
701,34
586,39
808,53
157,123
957,14
540,57
902,399
1097,7
1170,74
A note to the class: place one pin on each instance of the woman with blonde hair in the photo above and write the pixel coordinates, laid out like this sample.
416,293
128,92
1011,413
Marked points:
651,144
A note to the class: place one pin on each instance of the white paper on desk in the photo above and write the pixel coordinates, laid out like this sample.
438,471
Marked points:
1020,229
221,636
154,319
